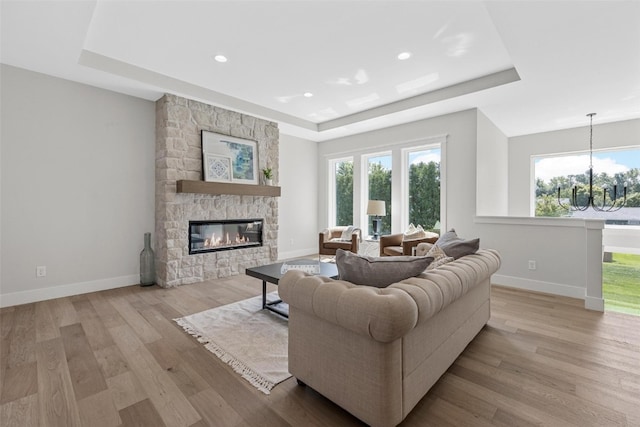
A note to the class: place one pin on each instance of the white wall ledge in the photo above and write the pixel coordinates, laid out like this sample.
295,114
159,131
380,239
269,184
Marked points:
541,221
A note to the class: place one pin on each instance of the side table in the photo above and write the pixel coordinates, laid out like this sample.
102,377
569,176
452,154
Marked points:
369,247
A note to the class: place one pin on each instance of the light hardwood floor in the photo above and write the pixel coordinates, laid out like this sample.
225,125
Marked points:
116,358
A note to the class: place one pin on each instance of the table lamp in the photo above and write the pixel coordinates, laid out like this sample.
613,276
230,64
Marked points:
377,209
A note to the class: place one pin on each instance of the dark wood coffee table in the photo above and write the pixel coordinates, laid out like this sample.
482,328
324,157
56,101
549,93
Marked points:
272,273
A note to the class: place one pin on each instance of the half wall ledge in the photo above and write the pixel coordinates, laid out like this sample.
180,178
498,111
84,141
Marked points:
205,187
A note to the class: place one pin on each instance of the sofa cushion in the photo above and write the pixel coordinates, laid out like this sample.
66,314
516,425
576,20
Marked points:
393,250
336,244
378,271
439,257
455,246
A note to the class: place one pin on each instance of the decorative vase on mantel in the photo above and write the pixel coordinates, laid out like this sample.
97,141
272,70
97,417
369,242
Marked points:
147,263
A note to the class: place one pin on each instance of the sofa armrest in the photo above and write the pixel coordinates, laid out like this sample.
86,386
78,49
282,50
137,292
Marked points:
382,314
355,242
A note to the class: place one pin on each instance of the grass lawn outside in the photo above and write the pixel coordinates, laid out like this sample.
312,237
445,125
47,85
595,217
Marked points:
621,284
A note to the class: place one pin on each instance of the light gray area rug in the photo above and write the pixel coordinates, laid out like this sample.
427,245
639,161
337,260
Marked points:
251,340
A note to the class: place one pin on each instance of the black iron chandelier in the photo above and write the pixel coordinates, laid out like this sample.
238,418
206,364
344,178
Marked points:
614,203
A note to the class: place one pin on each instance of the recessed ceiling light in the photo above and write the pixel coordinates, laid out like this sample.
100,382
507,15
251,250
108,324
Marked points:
404,55
308,94
220,58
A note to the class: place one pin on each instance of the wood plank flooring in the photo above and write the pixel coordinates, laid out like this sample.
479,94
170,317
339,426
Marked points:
116,358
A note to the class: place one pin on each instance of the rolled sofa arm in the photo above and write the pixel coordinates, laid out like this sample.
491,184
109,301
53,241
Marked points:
382,314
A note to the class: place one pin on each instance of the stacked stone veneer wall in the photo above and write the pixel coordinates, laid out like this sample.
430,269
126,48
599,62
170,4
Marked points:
179,122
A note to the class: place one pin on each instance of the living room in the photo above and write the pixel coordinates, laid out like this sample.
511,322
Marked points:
79,181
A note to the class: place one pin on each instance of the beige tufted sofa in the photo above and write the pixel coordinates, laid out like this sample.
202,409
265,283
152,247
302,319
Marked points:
377,351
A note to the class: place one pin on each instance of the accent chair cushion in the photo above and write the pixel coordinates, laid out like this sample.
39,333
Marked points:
456,247
378,271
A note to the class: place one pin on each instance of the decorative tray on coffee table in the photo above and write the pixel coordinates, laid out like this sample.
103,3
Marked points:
306,265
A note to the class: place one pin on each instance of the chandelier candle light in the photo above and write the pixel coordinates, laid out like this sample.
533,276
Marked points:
613,206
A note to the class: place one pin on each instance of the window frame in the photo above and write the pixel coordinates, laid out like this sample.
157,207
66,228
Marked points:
364,196
332,192
406,152
399,195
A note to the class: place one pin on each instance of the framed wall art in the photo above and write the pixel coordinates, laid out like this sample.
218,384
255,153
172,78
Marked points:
242,155
216,168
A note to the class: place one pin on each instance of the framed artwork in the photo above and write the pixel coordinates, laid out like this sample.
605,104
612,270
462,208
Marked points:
217,168
242,154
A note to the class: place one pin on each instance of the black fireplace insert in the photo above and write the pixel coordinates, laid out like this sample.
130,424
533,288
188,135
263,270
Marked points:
224,235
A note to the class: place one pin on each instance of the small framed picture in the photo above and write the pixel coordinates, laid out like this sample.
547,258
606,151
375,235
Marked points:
217,168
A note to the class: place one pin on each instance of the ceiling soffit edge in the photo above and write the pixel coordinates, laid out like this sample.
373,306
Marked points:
464,88
182,88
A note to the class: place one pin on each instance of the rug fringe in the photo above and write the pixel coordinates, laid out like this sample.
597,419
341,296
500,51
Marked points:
246,372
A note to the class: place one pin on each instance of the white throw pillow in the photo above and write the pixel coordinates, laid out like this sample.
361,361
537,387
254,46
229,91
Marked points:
413,233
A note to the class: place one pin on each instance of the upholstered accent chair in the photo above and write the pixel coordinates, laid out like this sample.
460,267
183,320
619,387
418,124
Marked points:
331,239
397,245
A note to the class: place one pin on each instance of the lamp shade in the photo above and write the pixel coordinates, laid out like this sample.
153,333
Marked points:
376,207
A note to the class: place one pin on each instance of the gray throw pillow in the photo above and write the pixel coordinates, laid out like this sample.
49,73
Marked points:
456,247
378,271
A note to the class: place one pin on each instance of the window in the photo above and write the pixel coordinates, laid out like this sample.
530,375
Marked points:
406,176
343,191
566,171
423,199
379,184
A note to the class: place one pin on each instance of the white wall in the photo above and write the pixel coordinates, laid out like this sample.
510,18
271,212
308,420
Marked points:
298,205
77,180
460,169
567,253
492,188
521,148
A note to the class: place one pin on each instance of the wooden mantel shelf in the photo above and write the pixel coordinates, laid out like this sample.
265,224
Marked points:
204,187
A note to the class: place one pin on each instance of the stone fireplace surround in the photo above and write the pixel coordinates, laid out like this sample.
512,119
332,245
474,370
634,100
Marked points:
179,122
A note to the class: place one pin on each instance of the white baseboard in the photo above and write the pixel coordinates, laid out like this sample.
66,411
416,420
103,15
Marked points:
590,303
42,294
539,286
310,252
595,304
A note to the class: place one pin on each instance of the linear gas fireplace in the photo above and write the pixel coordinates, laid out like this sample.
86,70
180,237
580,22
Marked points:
224,235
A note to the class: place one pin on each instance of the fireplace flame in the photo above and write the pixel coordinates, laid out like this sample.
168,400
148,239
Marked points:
214,242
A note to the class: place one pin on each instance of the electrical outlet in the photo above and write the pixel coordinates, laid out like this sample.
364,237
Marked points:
41,271
532,264
291,242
